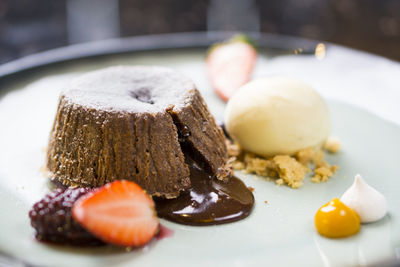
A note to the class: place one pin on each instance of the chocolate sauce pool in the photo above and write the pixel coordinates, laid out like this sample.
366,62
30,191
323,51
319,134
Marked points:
209,201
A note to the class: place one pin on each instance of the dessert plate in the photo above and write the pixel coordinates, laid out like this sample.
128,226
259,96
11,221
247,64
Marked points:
362,94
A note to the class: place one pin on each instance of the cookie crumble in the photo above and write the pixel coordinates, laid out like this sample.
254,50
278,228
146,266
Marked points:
286,169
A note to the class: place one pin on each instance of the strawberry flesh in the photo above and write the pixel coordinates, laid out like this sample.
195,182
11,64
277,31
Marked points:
119,213
229,66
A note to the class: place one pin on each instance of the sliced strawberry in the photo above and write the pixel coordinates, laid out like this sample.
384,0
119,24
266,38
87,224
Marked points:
230,64
119,213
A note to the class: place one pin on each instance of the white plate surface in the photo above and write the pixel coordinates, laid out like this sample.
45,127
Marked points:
280,233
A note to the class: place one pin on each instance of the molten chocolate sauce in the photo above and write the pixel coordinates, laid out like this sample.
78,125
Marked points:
209,201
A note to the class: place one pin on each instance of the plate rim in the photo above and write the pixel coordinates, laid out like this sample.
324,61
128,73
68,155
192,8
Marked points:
165,41
151,42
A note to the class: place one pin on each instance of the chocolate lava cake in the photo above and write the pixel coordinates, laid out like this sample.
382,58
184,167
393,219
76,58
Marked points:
135,123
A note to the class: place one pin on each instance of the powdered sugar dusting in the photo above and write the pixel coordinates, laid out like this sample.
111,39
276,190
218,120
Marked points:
125,89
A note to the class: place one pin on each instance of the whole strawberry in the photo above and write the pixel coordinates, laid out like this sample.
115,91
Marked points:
230,64
52,219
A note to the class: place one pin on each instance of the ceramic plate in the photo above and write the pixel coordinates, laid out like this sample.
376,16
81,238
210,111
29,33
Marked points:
362,92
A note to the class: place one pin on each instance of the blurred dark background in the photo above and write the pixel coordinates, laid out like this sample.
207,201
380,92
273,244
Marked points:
29,26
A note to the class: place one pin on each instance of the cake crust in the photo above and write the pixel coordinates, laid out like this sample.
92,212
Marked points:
126,123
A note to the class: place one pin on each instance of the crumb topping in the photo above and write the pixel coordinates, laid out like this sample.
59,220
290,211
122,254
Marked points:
285,169
332,144
291,172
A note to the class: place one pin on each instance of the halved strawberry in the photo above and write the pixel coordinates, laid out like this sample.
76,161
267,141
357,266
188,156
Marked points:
119,213
230,64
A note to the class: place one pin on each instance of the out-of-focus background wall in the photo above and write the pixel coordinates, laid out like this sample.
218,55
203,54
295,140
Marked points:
29,26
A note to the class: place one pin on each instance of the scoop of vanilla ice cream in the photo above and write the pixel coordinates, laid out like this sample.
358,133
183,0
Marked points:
277,115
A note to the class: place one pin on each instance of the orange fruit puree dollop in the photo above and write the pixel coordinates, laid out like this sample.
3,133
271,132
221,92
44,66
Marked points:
336,220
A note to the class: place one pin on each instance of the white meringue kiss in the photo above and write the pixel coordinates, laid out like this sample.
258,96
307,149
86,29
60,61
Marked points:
369,204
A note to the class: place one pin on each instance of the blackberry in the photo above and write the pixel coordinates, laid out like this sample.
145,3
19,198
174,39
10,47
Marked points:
52,219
